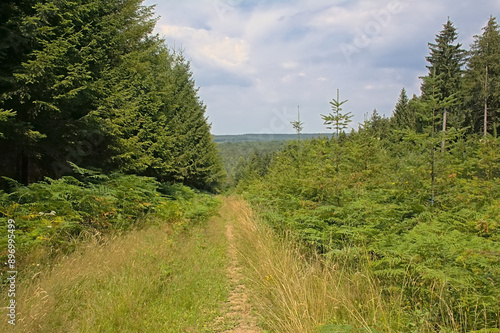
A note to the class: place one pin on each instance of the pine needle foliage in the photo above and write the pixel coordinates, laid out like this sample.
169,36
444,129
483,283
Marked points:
337,120
414,198
87,82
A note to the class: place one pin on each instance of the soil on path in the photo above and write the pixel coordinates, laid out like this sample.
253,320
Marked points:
239,308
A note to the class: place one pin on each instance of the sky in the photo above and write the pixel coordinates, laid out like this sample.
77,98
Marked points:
257,63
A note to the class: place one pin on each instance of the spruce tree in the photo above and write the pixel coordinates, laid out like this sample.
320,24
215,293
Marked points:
298,125
482,81
197,158
403,115
446,60
337,120
91,86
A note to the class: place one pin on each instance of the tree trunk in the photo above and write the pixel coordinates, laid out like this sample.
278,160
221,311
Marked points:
444,130
486,102
25,169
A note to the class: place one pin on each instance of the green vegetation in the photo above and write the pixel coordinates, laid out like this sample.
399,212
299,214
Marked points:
441,257
52,214
263,137
393,227
240,158
166,277
411,202
102,131
101,125
86,82
295,290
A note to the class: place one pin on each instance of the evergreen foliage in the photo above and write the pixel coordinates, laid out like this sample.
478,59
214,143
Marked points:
298,125
446,60
238,155
440,255
86,82
337,120
54,213
404,114
482,81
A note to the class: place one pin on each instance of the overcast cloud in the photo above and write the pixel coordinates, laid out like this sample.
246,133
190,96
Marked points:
256,61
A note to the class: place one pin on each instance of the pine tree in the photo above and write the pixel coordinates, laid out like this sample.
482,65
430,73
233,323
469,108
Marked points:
430,118
92,86
298,125
12,50
337,121
482,81
446,60
196,161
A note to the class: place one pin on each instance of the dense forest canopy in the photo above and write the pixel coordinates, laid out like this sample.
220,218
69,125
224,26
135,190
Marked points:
87,82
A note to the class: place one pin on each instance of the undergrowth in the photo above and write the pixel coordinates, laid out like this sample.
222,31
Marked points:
164,277
51,217
426,231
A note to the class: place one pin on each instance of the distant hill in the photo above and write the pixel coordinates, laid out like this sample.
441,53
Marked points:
265,137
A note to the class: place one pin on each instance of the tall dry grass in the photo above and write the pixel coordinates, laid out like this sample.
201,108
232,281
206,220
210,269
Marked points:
296,291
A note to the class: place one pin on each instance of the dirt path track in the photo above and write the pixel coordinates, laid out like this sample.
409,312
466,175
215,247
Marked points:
240,309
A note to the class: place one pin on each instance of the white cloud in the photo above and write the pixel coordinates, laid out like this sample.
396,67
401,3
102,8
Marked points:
229,52
210,46
289,64
256,57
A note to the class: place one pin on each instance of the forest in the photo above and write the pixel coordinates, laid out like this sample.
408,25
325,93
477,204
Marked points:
102,131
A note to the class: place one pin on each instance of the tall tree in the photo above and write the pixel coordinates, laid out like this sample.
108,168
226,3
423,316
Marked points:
338,121
12,47
71,47
446,60
430,118
482,81
192,152
92,86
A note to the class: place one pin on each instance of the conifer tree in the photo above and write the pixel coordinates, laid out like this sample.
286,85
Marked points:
298,125
93,87
430,118
445,65
61,77
404,114
191,149
482,81
337,120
